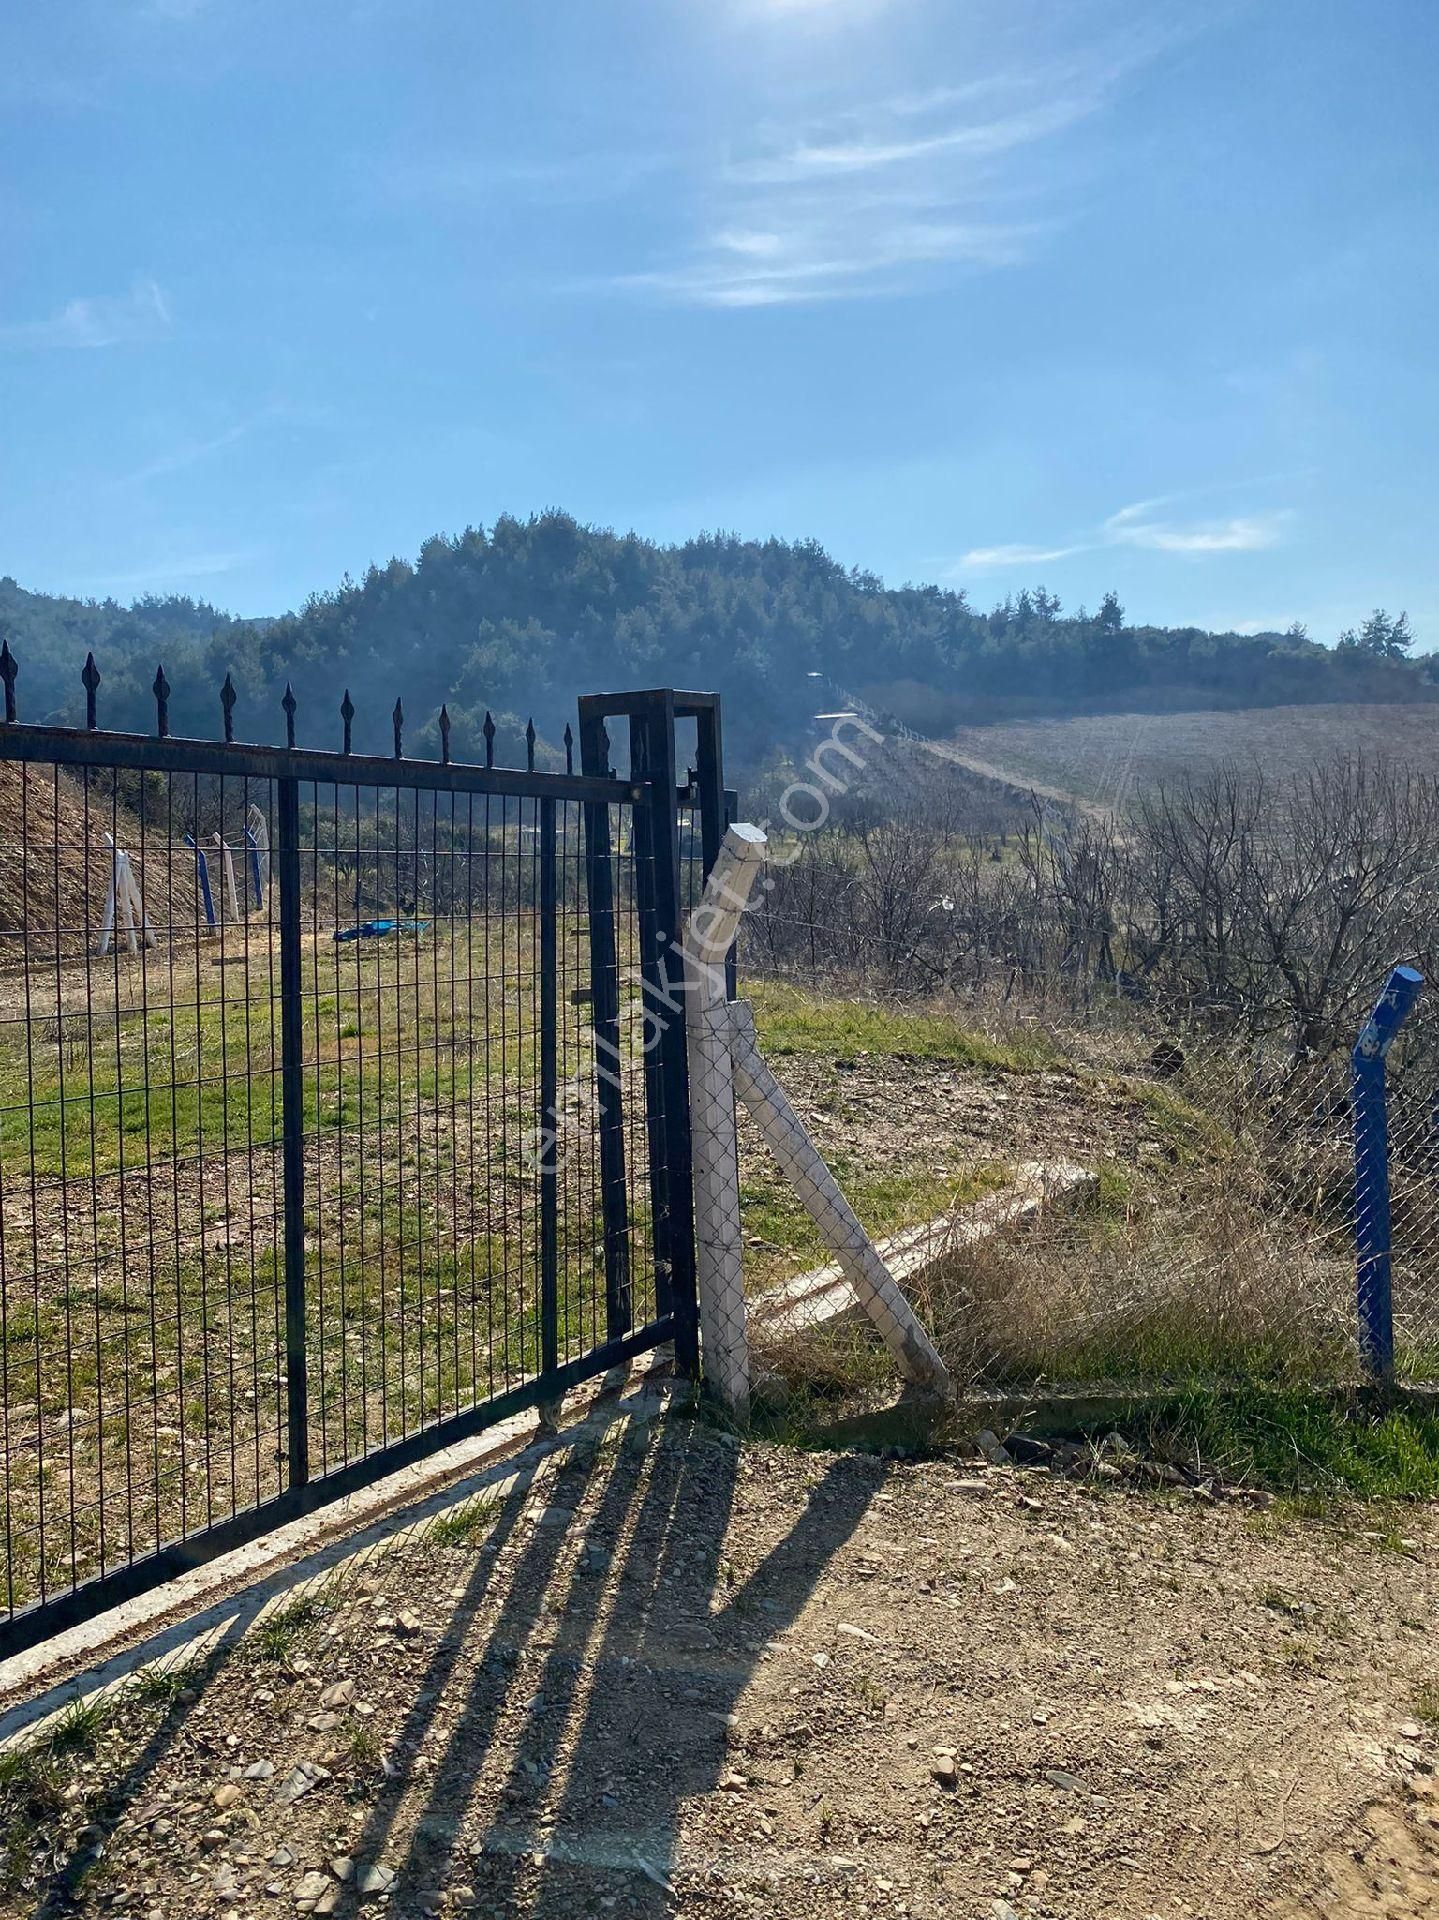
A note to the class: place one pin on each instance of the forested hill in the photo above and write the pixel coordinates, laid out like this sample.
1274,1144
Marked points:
50,635
521,618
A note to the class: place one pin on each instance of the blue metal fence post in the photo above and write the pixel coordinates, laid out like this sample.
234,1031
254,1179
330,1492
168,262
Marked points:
1371,1170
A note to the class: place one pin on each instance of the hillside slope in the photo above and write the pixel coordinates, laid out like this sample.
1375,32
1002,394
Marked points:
521,617
1102,759
56,859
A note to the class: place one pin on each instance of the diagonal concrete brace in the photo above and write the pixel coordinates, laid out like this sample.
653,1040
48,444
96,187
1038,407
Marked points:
785,1136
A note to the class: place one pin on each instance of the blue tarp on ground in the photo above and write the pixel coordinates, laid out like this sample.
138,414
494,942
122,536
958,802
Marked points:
376,929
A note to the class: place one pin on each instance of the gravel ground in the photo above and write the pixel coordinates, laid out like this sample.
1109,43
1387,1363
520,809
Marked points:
682,1676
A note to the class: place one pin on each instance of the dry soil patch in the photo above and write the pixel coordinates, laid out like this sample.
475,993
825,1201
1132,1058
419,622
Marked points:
688,1677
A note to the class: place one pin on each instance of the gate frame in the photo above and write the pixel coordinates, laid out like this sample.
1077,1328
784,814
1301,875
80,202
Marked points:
650,792
652,714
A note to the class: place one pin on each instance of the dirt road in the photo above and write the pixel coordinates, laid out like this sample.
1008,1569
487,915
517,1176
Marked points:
1020,782
686,1677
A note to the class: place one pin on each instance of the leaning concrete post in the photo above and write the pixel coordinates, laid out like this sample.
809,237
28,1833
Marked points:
785,1136
719,1243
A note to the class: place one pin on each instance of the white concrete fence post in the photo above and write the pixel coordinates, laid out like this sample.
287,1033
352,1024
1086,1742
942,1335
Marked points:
718,1240
725,1060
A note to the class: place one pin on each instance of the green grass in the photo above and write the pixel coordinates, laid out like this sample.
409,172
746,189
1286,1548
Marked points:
1168,1341
885,1200
57,1790
466,1525
363,1745
1115,1190
31,1782
193,1060
1320,1451
80,1725
1316,1447
160,1685
790,1020
1188,1130
284,1630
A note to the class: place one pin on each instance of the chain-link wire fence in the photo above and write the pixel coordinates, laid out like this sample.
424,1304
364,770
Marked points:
1170,998
1412,1112
1214,1242
1214,1239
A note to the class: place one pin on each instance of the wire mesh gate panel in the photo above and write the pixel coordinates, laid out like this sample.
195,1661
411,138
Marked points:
327,1129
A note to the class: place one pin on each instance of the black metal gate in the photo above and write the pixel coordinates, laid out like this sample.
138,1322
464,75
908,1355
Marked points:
365,1126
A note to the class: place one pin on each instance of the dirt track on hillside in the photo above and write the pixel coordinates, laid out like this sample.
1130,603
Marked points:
684,1677
1018,782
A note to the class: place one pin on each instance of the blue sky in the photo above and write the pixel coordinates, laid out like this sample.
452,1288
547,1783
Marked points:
1091,294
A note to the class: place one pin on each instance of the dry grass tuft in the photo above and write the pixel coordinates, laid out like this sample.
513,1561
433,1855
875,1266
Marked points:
1217,1247
1152,1287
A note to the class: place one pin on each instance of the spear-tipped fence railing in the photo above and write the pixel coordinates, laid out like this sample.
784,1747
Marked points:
341,1168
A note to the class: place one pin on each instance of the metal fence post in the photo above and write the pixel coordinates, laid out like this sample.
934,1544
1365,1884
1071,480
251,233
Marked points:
292,1096
549,1097
657,878
605,1015
1371,1171
709,781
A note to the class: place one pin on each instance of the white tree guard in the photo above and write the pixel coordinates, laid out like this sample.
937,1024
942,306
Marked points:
718,1239
124,908
227,865
785,1136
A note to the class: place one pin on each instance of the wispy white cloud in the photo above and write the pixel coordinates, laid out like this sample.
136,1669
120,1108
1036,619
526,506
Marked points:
1015,554
871,196
870,152
823,262
1141,525
179,458
1136,526
102,320
878,197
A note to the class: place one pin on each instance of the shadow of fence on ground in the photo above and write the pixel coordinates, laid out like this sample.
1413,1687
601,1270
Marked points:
600,1686
557,1699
